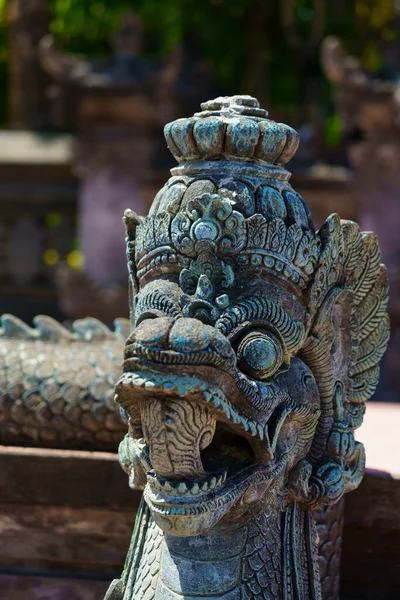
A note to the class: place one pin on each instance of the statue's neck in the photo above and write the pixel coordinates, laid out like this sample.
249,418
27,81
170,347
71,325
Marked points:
256,560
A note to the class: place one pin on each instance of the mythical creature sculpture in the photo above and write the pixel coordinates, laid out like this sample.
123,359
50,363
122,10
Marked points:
255,344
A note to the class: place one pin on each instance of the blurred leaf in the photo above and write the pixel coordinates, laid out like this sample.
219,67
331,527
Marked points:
371,57
333,131
76,260
51,257
53,220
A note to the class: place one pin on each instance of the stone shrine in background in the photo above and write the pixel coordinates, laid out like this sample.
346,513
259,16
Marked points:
370,111
29,100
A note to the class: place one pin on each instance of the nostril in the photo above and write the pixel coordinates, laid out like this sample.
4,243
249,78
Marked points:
154,332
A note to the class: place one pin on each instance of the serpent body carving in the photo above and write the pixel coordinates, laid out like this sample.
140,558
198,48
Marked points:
57,386
256,342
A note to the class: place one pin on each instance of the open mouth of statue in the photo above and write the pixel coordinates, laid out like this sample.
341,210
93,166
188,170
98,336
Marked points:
230,468
201,451
211,434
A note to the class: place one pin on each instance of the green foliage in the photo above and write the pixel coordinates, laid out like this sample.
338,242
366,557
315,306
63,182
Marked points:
269,48
225,32
332,130
84,26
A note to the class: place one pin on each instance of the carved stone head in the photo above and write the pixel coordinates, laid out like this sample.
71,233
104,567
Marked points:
255,340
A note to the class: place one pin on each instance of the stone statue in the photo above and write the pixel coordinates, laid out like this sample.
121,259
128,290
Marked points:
256,342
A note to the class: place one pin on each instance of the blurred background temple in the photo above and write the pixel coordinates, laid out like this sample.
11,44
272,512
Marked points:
87,86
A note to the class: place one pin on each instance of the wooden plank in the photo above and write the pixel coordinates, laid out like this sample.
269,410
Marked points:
376,503
371,537
64,538
78,479
17,587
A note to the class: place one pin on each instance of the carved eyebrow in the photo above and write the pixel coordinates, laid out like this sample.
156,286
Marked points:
258,307
155,300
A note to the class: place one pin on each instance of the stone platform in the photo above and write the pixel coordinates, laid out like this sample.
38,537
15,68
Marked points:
66,518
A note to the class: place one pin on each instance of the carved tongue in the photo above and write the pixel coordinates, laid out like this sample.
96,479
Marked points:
176,431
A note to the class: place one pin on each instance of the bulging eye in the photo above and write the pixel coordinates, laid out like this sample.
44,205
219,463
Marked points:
259,354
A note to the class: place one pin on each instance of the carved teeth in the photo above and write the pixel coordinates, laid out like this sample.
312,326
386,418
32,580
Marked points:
253,428
256,429
195,489
182,488
217,401
278,428
267,440
236,418
226,409
245,424
168,385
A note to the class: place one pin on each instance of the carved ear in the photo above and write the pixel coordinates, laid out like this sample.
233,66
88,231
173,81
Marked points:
328,352
348,334
367,277
340,469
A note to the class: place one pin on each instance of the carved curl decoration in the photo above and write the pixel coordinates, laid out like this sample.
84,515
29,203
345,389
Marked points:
209,223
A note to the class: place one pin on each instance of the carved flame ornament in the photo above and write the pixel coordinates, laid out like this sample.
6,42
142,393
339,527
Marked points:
256,342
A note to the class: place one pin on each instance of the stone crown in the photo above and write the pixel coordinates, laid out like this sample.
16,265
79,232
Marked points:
231,128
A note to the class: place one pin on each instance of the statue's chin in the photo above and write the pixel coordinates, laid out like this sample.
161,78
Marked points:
187,525
185,515
192,518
